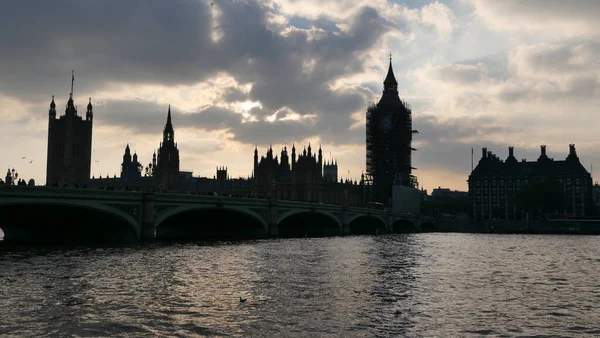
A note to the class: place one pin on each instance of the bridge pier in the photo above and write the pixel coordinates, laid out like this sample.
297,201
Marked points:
272,216
148,231
345,221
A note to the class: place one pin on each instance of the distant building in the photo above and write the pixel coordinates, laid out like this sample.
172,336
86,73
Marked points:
222,173
131,169
69,156
406,199
300,178
389,137
330,171
166,172
440,192
494,184
596,196
163,173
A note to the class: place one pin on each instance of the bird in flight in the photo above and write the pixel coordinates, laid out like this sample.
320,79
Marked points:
97,161
23,157
31,161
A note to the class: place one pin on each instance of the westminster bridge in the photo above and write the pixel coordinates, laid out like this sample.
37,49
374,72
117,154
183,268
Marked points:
44,212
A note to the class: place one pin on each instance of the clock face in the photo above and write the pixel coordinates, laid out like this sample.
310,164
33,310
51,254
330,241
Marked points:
386,122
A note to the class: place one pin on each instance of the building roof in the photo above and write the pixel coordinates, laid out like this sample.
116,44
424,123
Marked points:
544,166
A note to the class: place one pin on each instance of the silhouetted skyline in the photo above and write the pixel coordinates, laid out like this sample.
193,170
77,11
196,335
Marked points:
237,74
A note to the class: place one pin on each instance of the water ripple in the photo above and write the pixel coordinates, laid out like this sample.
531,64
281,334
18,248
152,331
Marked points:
407,285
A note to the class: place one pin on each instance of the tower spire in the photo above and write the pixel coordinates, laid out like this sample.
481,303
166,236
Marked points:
168,133
390,80
72,81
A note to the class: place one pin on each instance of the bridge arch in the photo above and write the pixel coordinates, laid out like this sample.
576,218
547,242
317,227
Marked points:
404,225
129,221
367,225
299,223
233,216
428,226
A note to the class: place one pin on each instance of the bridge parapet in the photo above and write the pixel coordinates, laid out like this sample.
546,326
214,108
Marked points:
66,192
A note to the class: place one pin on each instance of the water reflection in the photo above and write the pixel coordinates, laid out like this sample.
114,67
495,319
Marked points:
395,285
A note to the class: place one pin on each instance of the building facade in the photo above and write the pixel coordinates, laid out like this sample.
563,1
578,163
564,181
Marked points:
69,156
330,171
300,178
494,184
388,140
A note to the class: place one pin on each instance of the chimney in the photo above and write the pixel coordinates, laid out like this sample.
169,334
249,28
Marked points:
543,147
572,149
511,151
483,152
489,154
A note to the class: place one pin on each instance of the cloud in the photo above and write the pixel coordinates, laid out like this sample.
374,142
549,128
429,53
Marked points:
455,74
241,72
438,15
553,17
112,49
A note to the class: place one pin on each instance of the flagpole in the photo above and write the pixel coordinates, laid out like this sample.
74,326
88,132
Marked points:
72,80
471,159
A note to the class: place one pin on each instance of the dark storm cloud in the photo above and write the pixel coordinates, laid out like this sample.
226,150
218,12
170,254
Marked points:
166,43
139,116
149,118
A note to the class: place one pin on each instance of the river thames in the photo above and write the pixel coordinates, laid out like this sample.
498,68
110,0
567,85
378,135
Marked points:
365,286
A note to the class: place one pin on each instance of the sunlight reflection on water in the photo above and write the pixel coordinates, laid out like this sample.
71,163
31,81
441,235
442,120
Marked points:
407,285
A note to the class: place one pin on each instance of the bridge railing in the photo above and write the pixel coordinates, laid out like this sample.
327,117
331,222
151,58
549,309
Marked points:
42,190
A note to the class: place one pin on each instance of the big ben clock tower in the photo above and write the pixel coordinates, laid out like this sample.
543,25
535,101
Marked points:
389,137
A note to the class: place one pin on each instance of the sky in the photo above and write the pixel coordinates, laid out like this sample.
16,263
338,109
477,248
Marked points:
245,73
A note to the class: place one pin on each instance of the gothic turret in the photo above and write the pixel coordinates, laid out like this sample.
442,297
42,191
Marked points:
255,158
52,110
127,155
89,115
168,132
293,156
167,159
320,156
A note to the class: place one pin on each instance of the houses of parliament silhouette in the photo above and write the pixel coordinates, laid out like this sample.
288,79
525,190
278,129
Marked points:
303,176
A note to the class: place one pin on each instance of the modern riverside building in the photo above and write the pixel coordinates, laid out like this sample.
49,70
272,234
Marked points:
69,156
494,185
